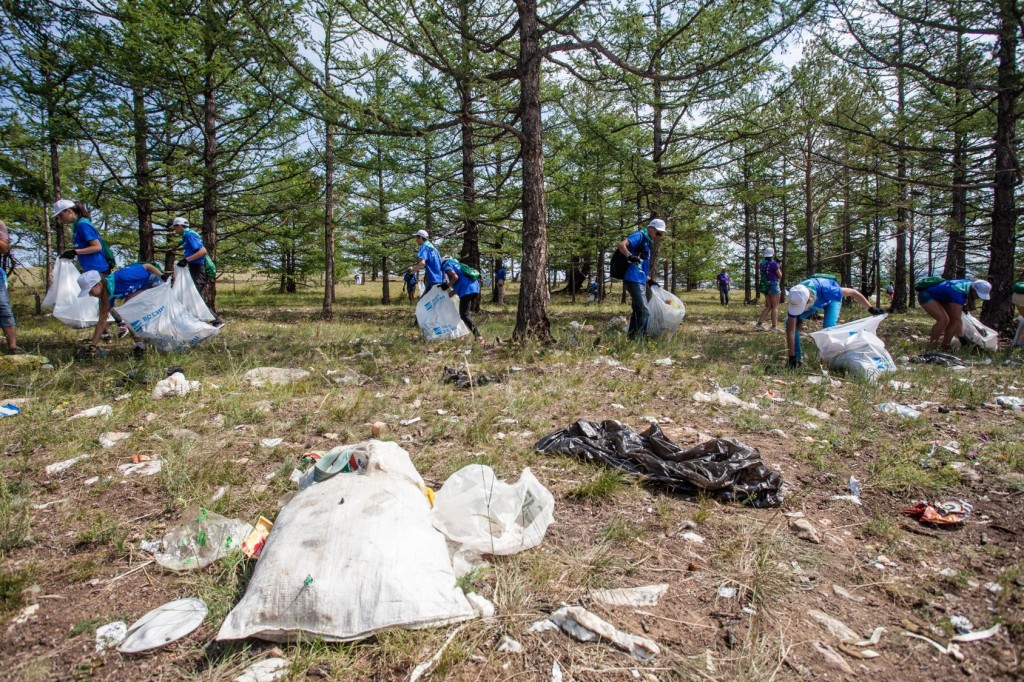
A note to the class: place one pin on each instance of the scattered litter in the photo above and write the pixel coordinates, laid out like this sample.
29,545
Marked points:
818,414
9,410
978,334
875,638
112,438
481,604
726,469
480,514
962,624
900,385
556,672
267,670
994,588
663,362
149,468
219,493
833,657
271,442
1010,402
110,635
805,530
727,592
409,422
173,386
341,459
24,616
617,406
462,379
507,645
979,635
275,376
723,397
163,625
252,546
944,359
648,595
904,411
952,650
98,411
58,467
855,348
944,513
695,538
541,626
835,627
584,626
854,487
96,479
201,541
780,433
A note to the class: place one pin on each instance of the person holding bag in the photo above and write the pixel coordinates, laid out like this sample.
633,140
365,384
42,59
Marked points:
637,250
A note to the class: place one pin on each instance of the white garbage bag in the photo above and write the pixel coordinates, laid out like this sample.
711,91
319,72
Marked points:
63,298
438,317
156,316
978,334
185,292
667,312
350,556
855,348
483,515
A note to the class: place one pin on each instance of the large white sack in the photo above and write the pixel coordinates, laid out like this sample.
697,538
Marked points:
350,556
855,348
981,336
667,312
63,298
485,515
438,316
156,316
185,292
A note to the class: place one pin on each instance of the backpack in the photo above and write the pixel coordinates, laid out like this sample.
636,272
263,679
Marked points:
824,275
927,282
470,272
619,263
108,254
1018,287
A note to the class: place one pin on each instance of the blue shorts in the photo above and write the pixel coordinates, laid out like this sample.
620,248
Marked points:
6,313
924,297
773,288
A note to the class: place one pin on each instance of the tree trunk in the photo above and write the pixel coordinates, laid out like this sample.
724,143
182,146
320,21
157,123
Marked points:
531,314
211,180
956,244
385,296
998,312
899,297
143,181
327,310
809,201
59,231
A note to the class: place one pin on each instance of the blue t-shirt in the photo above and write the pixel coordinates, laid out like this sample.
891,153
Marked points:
723,280
127,281
951,291
410,279
825,291
463,286
500,276
432,259
191,242
638,244
83,234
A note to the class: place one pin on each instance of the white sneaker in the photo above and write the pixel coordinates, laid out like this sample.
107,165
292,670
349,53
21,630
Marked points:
759,328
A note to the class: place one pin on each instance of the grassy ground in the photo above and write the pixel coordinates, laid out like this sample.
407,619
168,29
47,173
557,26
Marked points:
73,549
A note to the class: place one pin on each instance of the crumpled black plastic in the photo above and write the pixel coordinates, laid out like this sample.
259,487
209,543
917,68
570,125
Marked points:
723,468
944,359
461,379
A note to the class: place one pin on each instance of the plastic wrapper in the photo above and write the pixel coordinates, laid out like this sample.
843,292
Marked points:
723,468
199,542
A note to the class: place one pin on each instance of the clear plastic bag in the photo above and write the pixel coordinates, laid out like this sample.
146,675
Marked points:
438,317
978,334
855,348
667,312
185,293
156,316
63,298
204,538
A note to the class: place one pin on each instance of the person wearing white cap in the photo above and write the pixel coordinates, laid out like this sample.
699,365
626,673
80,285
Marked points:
125,283
945,302
429,261
637,250
769,284
723,285
194,259
807,298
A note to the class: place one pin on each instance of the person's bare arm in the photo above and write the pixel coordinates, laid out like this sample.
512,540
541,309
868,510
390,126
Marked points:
201,253
93,247
101,324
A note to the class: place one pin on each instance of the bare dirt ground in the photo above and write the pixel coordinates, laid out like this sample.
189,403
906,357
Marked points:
80,561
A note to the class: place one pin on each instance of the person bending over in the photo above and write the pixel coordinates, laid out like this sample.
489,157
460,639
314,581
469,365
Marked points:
807,298
126,284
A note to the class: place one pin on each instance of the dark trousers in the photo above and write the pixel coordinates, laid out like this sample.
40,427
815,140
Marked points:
198,271
465,303
641,313
723,295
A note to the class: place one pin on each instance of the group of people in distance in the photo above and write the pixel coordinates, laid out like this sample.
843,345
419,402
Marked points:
100,278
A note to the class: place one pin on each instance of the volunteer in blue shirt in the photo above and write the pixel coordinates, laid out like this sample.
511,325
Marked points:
499,281
410,280
7,322
429,262
723,285
195,259
125,283
945,302
637,250
807,298
88,248
465,288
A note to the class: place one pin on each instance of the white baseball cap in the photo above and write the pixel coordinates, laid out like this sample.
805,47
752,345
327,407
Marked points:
769,252
798,298
982,288
422,234
62,205
179,221
724,266
658,224
86,281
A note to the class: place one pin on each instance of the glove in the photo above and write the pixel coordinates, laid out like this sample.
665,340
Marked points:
652,282
444,286
635,260
70,253
876,311
793,362
183,263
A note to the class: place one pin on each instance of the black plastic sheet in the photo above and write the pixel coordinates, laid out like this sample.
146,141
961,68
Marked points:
462,379
723,468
